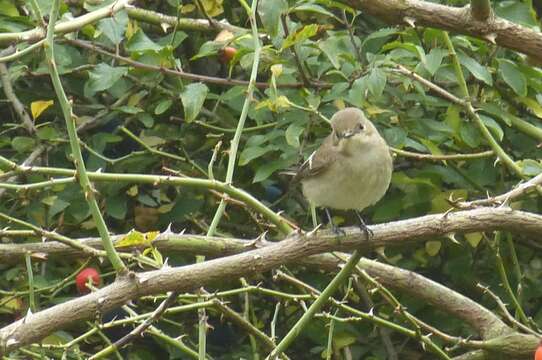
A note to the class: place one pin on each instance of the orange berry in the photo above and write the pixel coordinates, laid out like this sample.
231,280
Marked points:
227,54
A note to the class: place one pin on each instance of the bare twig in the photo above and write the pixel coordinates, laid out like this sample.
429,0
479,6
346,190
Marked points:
505,198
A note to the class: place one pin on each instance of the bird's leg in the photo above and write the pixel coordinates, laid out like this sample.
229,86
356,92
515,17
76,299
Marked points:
334,228
363,227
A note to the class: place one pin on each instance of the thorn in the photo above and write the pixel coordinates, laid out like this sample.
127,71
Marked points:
28,315
491,37
410,21
314,231
11,341
165,27
452,238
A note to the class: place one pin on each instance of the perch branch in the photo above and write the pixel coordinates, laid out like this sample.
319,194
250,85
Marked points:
34,327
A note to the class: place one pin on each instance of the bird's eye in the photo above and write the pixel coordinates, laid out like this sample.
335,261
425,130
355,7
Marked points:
361,127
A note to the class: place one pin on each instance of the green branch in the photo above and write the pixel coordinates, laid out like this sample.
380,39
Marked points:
81,172
281,223
322,299
501,154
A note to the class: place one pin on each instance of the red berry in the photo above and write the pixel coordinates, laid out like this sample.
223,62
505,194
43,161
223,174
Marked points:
81,279
538,354
227,54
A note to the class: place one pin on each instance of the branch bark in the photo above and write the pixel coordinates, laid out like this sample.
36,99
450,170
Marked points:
36,326
66,26
460,20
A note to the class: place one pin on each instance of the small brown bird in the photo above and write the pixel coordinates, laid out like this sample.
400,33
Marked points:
352,168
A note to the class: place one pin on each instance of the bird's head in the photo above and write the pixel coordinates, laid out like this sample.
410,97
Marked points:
350,126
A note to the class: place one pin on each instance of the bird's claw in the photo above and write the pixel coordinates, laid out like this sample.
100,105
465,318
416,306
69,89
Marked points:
364,228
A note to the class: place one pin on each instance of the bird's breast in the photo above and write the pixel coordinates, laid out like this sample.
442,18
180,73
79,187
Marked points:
351,182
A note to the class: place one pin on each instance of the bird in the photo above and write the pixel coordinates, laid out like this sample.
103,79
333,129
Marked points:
352,168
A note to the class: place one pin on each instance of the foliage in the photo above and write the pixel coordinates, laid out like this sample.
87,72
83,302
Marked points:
317,57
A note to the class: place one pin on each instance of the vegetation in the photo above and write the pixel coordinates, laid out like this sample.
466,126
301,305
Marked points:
144,148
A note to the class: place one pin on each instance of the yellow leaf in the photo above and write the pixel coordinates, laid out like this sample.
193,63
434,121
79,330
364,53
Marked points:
339,104
188,8
164,209
276,70
213,7
375,110
131,29
433,247
473,238
37,107
224,36
151,235
133,238
532,105
136,238
132,191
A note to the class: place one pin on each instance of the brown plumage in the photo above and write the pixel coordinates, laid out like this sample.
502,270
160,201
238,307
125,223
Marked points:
351,169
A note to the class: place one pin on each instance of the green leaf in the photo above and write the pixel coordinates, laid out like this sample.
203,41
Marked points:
433,60
103,76
269,168
306,32
376,82
140,42
493,126
453,118
514,11
8,8
193,97
116,206
395,136
532,105
292,134
47,133
476,69
431,146
127,109
473,238
114,27
162,106
57,206
270,12
374,41
470,135
174,39
313,8
530,167
496,110
207,49
253,152
22,143
356,95
334,47
511,75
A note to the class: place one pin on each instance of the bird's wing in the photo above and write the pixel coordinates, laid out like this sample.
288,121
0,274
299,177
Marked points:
316,164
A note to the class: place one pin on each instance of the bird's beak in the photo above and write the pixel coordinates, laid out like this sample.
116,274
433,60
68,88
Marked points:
349,134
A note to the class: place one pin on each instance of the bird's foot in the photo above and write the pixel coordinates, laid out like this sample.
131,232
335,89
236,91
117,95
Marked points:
363,227
334,228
